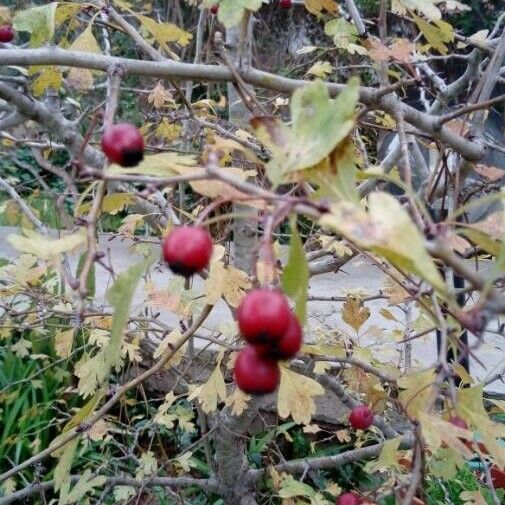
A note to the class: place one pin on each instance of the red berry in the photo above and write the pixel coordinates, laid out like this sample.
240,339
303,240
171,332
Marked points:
457,421
348,499
254,374
263,316
187,249
285,4
361,417
287,346
214,9
6,33
123,144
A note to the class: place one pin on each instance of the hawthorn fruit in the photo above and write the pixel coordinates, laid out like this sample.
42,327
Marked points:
6,33
349,499
123,144
457,421
263,316
287,346
361,417
285,4
214,9
187,249
255,374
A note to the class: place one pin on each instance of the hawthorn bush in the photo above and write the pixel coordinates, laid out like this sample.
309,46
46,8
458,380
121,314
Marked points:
180,178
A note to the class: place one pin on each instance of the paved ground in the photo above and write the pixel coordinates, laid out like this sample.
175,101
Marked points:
379,333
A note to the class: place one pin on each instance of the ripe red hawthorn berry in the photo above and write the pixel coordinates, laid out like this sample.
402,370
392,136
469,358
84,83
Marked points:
361,417
123,144
457,421
285,4
263,316
287,346
187,249
214,9
349,499
6,33
254,374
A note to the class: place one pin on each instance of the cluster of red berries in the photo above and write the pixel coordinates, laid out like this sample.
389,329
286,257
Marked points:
6,33
272,332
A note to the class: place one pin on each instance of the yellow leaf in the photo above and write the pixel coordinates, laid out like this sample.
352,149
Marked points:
50,77
238,401
388,459
159,95
63,341
417,391
45,247
354,313
212,391
228,282
167,130
86,42
116,202
296,396
164,33
317,6
473,498
159,165
80,79
437,33
320,69
338,351
98,430
172,338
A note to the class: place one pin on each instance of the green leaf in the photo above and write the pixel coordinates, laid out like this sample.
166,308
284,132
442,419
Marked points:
90,281
291,488
295,278
84,485
64,465
437,33
39,21
445,463
84,411
120,296
319,124
231,11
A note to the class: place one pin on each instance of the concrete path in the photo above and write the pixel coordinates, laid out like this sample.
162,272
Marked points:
380,334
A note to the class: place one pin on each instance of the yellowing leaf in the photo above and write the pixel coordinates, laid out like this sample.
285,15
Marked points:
212,391
319,124
344,34
167,342
50,77
354,313
64,465
437,33
388,457
318,6
80,79
158,165
159,95
386,229
296,396
45,247
165,33
63,341
116,202
320,69
238,401
229,282
86,42
98,430
473,498
417,390
426,7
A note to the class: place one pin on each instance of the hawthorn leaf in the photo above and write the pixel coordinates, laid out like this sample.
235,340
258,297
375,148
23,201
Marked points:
45,247
158,165
165,33
319,124
387,230
38,21
417,389
49,77
86,42
290,487
445,463
473,498
84,411
63,341
211,392
231,11
98,430
425,7
64,465
296,396
354,313
120,296
148,465
295,278
318,6
388,457
438,33
167,343
344,34
320,69
84,485
226,281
